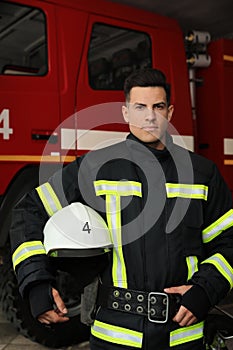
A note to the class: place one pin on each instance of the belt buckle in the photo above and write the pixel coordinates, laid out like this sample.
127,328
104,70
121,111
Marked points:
151,298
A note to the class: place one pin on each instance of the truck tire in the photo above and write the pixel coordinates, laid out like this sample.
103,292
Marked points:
17,311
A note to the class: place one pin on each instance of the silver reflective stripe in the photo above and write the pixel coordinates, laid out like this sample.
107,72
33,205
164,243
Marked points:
217,227
49,198
186,334
27,249
195,191
122,188
192,263
116,334
222,266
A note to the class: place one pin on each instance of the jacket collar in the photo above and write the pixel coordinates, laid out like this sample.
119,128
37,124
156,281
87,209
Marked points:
159,154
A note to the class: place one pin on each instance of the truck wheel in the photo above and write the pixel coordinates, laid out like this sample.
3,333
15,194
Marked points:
17,311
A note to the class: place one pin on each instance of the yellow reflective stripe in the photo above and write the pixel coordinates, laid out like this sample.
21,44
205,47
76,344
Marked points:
222,266
49,198
121,280
192,264
123,188
113,210
187,334
113,190
116,334
194,191
27,249
217,227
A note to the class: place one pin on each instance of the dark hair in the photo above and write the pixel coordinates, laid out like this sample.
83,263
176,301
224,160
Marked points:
144,78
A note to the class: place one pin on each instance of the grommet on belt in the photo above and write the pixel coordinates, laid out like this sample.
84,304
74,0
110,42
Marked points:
127,307
115,305
128,296
153,300
140,298
139,309
116,293
152,312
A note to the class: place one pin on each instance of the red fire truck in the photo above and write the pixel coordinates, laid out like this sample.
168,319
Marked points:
62,67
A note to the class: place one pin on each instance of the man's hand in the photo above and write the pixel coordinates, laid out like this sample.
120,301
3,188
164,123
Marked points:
57,315
184,317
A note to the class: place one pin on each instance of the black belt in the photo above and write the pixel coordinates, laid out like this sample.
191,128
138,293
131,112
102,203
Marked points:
157,306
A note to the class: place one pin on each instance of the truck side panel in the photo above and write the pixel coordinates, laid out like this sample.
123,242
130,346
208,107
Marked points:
214,115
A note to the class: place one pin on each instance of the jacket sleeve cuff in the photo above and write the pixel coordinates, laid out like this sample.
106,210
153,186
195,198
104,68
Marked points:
196,301
40,299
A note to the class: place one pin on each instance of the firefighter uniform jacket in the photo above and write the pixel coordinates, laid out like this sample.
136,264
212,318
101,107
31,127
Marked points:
170,217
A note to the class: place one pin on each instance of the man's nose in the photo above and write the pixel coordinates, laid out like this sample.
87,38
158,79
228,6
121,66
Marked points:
150,114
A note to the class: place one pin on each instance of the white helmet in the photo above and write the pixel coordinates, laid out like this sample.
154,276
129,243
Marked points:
75,231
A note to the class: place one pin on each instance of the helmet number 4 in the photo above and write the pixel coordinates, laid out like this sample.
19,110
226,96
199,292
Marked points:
86,227
4,120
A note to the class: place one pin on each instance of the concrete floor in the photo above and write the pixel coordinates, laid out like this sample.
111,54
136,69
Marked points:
10,339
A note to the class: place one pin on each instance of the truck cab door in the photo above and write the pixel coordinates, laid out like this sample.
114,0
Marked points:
29,104
113,49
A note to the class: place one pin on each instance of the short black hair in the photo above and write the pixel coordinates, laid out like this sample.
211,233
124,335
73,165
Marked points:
147,77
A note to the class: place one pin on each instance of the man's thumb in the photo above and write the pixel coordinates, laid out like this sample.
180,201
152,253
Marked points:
172,290
58,301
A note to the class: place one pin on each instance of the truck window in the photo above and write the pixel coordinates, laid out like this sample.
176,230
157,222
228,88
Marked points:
23,47
114,53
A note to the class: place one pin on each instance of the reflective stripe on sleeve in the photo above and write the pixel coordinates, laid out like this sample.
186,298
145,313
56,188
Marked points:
49,198
116,335
222,266
186,191
192,264
27,249
217,227
186,334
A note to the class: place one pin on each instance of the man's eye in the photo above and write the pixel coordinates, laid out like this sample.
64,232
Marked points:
160,106
139,108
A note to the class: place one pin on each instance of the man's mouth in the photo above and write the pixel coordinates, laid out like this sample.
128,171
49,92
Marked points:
150,128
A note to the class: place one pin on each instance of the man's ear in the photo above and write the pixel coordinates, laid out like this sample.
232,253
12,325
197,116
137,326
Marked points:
170,112
125,113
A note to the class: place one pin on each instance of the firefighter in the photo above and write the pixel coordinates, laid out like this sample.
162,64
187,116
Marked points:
170,218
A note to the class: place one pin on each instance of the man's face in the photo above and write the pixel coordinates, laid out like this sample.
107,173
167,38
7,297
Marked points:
148,115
